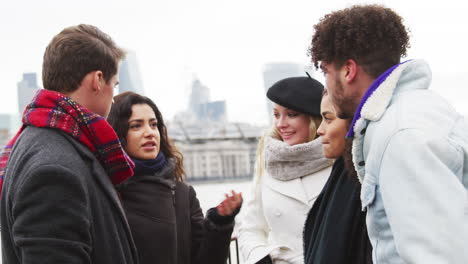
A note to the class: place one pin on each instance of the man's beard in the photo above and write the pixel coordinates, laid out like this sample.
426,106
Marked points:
345,107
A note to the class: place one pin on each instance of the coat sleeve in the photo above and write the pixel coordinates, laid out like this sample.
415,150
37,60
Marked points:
253,230
210,241
50,217
424,198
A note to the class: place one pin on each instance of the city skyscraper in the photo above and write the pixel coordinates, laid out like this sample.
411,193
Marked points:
201,108
9,125
200,94
26,89
129,75
273,72
214,111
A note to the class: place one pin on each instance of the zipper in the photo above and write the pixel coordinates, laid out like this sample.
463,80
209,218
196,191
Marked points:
173,195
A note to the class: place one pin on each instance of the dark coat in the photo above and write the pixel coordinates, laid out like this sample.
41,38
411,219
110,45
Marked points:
168,224
59,206
335,231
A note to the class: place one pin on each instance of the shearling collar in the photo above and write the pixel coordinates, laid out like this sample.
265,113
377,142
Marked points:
373,107
378,96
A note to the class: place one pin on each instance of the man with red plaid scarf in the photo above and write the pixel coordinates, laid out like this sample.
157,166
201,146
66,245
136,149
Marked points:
57,175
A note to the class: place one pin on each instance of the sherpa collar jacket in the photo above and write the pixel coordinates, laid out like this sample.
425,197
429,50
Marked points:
410,150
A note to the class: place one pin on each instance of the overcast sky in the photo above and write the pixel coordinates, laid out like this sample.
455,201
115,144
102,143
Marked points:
224,43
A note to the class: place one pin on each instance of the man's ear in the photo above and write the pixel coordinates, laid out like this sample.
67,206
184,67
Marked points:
97,81
350,69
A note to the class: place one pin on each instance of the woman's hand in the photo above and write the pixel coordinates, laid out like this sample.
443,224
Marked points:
231,204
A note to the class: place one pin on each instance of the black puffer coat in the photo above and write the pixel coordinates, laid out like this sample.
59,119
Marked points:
167,222
335,230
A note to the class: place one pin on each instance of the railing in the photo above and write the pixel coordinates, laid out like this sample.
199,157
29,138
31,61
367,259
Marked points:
204,179
229,260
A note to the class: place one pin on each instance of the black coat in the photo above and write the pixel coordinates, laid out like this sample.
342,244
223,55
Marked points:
335,230
59,206
168,224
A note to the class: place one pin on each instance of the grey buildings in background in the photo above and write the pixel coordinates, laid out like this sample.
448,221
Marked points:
202,108
215,111
218,160
199,95
9,125
216,151
129,75
273,72
213,148
26,89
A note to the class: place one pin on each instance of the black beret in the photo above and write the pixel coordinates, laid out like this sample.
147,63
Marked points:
301,94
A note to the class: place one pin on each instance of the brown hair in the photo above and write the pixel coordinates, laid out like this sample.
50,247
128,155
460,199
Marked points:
348,160
347,153
372,35
75,52
120,113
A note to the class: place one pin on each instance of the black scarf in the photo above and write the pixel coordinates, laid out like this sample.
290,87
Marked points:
335,230
150,167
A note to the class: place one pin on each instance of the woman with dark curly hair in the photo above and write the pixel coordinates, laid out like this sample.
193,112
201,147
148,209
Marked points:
410,147
335,230
163,211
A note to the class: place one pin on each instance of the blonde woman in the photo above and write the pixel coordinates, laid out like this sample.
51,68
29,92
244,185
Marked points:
291,170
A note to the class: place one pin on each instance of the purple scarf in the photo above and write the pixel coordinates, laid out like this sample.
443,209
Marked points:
366,96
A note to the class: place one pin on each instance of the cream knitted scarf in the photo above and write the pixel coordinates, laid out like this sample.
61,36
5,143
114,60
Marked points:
285,162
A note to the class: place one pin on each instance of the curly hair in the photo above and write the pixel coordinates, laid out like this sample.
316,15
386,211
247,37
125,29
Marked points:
372,35
348,160
120,113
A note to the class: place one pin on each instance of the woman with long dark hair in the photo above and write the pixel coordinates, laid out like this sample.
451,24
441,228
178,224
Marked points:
163,211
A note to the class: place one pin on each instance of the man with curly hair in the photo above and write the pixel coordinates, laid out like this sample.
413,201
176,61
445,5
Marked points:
410,147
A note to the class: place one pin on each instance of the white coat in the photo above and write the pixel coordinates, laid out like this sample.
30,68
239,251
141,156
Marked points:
274,216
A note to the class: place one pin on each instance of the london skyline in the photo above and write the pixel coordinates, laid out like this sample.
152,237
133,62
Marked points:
226,44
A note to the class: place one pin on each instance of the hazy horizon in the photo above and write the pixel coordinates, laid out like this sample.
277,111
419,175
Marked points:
225,44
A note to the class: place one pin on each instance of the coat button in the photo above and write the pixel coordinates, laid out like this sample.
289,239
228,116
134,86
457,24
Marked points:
363,131
361,163
278,213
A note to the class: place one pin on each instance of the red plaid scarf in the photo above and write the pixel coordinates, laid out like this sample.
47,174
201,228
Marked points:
55,110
